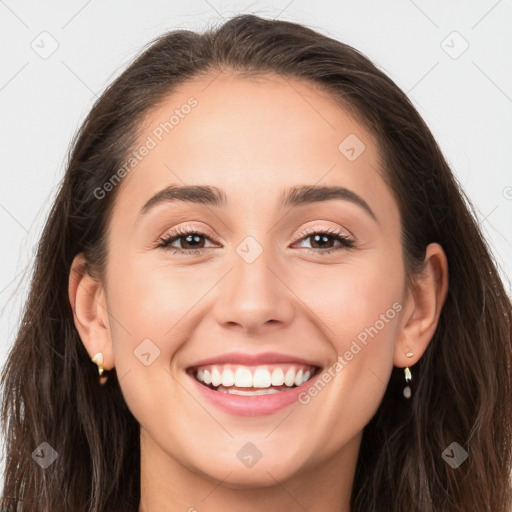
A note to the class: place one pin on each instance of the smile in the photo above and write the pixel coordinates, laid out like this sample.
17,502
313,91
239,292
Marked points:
253,380
244,384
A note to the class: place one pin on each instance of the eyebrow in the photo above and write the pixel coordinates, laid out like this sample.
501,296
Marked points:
289,198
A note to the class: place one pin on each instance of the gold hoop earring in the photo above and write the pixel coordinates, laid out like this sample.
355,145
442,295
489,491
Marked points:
98,360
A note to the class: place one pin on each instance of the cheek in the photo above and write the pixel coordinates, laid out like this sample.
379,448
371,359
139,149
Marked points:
350,389
358,305
149,300
354,296
359,308
147,308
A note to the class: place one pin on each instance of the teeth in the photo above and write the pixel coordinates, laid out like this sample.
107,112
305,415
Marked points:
277,377
216,377
262,378
230,377
244,392
289,378
243,377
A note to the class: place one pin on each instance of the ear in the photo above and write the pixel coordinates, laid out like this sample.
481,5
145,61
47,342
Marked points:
88,302
423,308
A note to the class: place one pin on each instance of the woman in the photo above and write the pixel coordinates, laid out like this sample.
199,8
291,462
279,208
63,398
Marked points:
237,361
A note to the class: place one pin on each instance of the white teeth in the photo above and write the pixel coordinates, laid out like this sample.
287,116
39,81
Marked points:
263,377
277,377
243,377
244,392
289,378
228,377
216,377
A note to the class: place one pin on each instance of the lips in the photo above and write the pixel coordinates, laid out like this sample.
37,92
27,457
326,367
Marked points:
248,383
254,359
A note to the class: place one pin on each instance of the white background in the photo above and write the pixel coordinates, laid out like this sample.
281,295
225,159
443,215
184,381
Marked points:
466,101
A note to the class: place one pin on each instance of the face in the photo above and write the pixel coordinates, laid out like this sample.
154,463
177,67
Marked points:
250,285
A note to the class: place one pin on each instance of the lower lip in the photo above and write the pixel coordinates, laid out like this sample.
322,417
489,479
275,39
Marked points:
256,405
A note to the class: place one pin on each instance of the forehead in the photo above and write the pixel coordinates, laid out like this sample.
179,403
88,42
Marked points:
252,137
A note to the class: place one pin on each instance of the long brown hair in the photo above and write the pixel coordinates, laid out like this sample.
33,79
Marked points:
463,382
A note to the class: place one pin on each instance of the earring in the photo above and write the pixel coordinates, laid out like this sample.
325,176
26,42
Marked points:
98,360
408,378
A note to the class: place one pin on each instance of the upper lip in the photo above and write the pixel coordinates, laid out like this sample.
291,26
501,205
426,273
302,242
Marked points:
253,359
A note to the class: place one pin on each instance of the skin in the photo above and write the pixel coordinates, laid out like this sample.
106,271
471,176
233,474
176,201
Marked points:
253,138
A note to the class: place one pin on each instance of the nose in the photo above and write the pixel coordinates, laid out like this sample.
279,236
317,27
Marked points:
254,297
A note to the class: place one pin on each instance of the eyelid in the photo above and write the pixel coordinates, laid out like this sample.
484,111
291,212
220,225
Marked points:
330,230
191,228
343,236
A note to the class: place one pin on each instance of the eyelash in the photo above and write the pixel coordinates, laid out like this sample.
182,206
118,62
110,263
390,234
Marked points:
165,241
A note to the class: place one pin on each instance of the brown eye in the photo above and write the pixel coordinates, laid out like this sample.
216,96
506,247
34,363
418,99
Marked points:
322,241
191,241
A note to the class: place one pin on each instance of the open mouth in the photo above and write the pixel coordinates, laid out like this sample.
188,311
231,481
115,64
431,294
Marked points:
253,380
